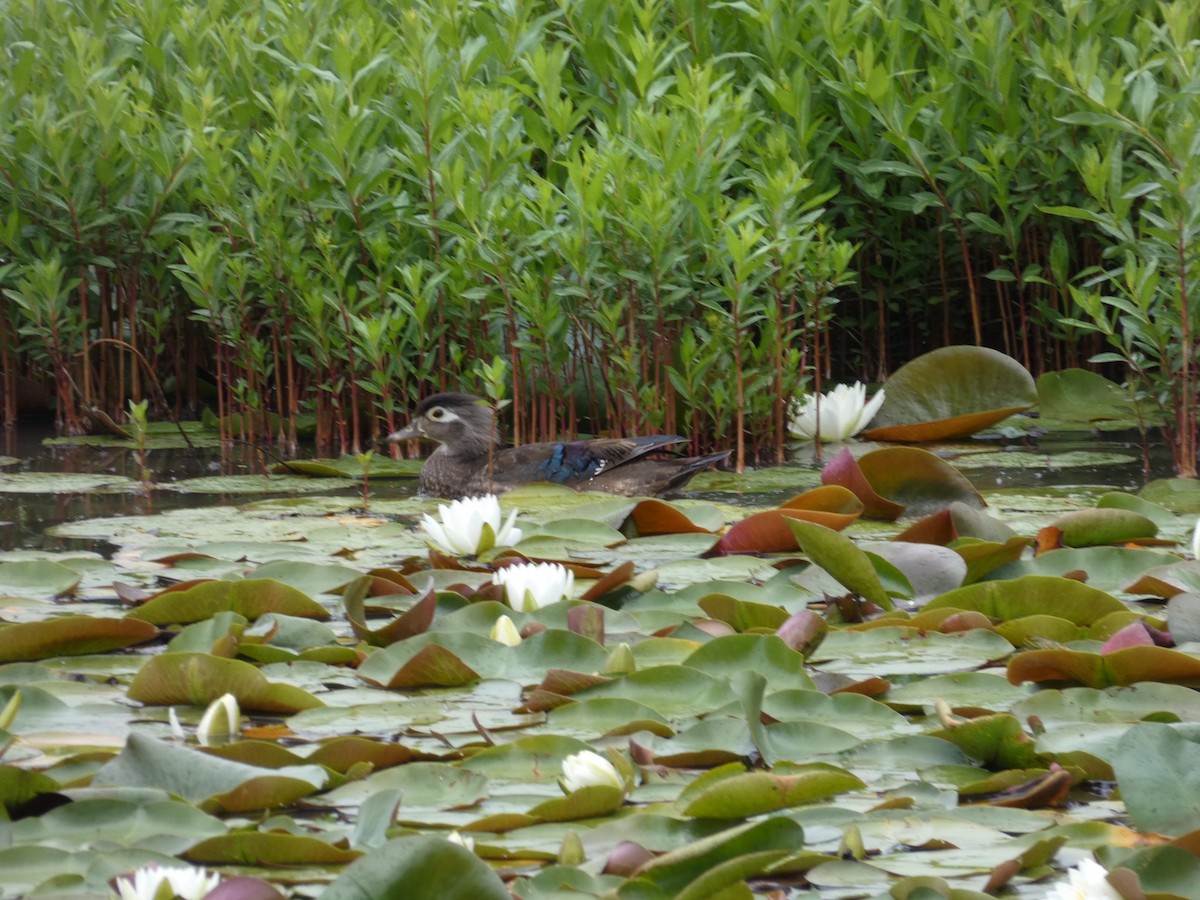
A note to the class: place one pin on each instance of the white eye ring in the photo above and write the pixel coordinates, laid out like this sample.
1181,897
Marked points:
437,413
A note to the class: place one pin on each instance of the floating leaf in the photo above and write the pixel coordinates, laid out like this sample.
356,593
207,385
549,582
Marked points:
250,598
215,785
417,868
37,578
951,392
1032,595
917,479
1091,527
199,678
70,636
1120,667
257,848
754,793
1080,395
841,558
844,471
1158,771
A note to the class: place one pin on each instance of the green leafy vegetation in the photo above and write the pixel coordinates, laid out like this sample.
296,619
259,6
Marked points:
633,215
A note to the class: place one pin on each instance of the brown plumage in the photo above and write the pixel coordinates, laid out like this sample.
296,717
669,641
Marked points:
470,460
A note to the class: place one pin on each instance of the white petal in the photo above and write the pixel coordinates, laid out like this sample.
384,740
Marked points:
588,769
505,632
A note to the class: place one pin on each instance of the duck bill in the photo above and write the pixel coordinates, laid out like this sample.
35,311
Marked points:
410,432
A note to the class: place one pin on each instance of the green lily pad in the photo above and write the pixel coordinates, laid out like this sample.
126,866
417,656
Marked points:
951,392
37,578
199,678
1080,395
250,598
1090,527
70,636
753,793
417,868
899,651
214,785
841,558
1158,771
1032,595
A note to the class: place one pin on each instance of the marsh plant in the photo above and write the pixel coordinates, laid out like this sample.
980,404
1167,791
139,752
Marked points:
659,217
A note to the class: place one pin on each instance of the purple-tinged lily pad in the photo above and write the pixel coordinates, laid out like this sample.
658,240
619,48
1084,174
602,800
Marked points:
844,471
951,392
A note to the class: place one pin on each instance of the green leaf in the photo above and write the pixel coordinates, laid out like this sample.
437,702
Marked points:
418,868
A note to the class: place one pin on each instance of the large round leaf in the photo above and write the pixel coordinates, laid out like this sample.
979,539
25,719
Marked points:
951,392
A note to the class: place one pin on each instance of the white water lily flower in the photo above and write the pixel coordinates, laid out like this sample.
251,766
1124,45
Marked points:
220,721
188,882
173,721
1087,881
844,413
471,526
588,769
455,838
529,587
506,633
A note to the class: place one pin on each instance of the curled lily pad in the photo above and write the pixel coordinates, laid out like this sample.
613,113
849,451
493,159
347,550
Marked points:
213,784
951,392
199,678
843,470
70,636
1033,594
251,598
958,520
748,794
1092,527
1121,667
841,558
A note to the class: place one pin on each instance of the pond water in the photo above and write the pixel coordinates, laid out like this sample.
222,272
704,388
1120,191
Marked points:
1001,460
680,678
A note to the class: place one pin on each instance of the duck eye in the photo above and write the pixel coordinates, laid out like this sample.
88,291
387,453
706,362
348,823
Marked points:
437,413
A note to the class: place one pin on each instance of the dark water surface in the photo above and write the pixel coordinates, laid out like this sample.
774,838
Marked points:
25,516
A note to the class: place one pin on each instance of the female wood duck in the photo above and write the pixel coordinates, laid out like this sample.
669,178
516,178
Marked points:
469,459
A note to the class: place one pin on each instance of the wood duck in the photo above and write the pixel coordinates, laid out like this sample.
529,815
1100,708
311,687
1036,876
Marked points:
469,459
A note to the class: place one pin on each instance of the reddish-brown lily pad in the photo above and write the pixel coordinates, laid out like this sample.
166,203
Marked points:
1121,667
844,470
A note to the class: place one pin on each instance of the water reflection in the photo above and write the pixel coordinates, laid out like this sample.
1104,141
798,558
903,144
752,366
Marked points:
25,516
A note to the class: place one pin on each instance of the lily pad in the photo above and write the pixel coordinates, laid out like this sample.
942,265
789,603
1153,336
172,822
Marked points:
951,392
199,678
1080,395
70,636
250,598
1033,594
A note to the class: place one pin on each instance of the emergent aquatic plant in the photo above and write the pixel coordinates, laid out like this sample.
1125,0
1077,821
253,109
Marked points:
471,526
